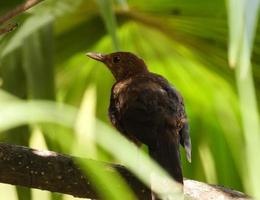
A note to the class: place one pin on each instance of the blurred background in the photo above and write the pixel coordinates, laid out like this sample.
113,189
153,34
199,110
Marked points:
206,49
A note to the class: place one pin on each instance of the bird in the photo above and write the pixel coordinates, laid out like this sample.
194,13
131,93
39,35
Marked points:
148,110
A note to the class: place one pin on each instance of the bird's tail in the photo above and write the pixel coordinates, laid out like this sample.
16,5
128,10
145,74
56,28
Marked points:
166,153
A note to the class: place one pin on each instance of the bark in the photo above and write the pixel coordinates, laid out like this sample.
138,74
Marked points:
56,172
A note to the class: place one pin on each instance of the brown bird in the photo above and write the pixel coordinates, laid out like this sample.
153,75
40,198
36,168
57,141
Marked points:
146,109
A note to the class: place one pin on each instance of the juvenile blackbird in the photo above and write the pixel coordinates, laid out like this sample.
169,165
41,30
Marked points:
146,109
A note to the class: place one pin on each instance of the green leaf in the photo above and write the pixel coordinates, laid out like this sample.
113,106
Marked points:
241,45
106,9
48,112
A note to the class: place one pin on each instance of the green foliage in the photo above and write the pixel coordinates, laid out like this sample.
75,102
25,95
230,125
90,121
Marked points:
185,41
240,53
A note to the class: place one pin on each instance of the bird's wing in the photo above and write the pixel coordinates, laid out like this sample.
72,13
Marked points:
177,102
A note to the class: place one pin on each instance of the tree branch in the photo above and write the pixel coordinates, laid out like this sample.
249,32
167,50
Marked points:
55,172
8,28
16,11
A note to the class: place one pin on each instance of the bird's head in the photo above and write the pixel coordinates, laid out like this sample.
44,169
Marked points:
122,64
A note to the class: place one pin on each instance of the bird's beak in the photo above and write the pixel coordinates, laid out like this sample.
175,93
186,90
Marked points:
97,56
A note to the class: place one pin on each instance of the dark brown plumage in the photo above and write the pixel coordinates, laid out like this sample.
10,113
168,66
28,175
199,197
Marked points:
146,109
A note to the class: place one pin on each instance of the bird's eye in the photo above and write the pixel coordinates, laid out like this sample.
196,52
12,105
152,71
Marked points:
116,59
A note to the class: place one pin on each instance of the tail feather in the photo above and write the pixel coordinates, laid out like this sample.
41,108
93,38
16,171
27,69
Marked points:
185,140
166,153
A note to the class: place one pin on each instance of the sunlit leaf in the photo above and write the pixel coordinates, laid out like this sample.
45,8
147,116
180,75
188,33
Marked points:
248,14
47,112
106,9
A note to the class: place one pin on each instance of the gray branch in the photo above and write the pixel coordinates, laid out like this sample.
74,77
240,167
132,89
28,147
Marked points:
16,11
56,172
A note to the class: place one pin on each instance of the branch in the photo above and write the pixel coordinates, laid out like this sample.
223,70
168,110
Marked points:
8,28
16,11
55,172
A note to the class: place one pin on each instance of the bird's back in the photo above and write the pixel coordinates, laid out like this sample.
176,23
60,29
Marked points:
143,105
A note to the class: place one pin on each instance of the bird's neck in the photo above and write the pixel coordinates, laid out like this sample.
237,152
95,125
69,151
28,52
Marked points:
124,74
